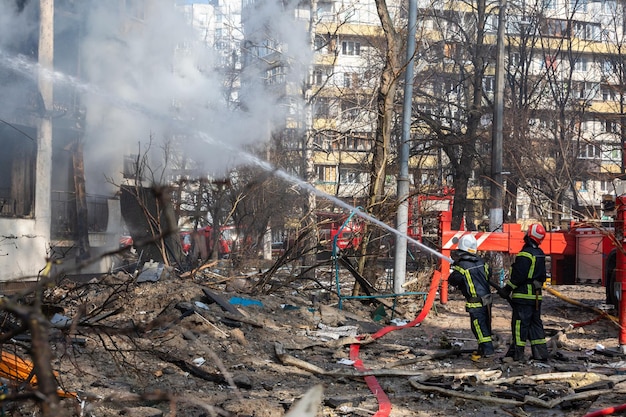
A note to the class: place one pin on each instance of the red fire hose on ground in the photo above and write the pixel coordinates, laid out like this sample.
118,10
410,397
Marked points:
384,405
607,411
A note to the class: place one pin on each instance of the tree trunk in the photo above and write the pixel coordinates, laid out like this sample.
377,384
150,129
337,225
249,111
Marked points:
382,140
467,153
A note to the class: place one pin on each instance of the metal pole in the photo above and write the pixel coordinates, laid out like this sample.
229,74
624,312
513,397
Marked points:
403,178
495,213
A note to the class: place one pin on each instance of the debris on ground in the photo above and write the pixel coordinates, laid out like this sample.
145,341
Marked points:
194,345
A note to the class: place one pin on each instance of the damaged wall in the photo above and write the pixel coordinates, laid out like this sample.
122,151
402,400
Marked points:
22,249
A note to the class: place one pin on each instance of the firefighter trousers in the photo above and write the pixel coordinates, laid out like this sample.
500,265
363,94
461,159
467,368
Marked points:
480,323
526,325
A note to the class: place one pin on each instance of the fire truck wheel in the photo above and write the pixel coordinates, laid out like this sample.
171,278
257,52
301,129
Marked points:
609,279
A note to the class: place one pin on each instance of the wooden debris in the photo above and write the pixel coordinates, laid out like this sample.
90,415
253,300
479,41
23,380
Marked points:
226,306
286,359
528,400
193,272
195,370
308,405
422,358
452,393
573,377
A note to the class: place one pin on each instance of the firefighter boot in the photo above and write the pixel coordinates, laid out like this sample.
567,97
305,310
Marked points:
516,352
540,352
486,349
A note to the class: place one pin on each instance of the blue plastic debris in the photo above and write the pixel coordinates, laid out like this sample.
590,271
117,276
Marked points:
245,302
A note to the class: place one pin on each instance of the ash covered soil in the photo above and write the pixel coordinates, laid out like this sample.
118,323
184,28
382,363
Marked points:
169,348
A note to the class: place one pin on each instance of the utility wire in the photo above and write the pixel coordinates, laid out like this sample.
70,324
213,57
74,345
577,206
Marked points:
19,130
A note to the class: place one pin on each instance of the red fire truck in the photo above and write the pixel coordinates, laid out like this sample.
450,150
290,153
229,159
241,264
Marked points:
226,240
330,225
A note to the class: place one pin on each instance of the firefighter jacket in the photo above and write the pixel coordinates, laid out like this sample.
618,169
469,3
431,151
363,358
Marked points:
527,275
470,274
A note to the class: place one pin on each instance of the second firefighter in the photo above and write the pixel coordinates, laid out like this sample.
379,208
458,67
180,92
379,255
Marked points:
470,274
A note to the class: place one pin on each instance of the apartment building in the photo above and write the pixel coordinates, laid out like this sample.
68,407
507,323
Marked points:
563,100
67,74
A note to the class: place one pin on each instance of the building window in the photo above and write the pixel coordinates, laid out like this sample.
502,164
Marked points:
325,173
349,176
585,91
321,44
587,30
608,94
318,77
489,84
350,48
580,64
347,79
17,172
321,107
491,23
611,126
609,7
556,28
604,185
275,76
349,110
325,10
590,151
578,5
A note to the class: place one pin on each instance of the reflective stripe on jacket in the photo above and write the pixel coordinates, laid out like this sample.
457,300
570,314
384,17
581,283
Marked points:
470,274
529,266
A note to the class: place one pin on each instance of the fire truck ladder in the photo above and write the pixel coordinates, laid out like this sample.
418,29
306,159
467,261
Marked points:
365,285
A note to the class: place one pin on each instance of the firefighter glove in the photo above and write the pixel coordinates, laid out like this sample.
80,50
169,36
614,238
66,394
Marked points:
505,292
537,285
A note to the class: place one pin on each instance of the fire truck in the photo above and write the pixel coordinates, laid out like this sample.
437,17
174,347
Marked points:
331,224
585,253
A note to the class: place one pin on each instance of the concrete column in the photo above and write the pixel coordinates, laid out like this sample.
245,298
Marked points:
44,128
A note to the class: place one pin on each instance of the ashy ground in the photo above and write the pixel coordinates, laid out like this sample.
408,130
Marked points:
210,344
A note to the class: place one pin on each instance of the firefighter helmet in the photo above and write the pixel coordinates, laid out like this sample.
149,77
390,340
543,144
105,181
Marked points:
536,233
467,243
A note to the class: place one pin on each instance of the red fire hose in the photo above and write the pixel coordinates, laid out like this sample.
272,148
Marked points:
384,405
606,411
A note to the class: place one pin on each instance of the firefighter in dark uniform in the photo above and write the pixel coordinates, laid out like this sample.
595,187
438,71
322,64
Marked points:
470,274
527,276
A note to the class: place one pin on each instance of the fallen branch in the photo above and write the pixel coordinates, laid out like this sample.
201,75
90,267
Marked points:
528,400
211,324
286,359
198,269
452,393
194,370
557,376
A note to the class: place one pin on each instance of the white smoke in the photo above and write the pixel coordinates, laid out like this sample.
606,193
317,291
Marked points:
149,81
158,65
